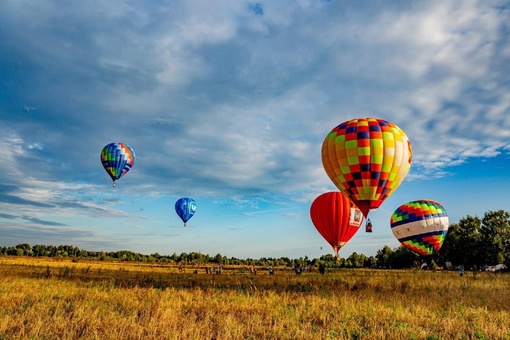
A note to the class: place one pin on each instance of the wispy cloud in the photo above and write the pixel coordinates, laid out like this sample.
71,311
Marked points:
35,220
16,200
7,216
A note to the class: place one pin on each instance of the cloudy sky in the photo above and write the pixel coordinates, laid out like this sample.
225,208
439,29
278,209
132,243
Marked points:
229,102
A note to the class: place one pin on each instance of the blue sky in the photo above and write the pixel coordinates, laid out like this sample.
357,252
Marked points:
229,102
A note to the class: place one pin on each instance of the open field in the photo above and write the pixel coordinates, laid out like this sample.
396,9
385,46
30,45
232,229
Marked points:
60,299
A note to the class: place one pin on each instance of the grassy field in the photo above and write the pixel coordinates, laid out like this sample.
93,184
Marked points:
62,299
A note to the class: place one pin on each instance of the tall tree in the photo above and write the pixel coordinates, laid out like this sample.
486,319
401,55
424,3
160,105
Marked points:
402,257
383,257
475,242
462,243
357,260
495,237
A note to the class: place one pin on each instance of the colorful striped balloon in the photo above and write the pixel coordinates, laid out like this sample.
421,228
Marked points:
367,159
117,160
420,226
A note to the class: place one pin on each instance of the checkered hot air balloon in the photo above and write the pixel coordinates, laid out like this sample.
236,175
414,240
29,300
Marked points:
420,226
117,160
367,159
336,218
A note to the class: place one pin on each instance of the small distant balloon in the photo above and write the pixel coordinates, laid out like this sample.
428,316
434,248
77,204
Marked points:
185,207
117,160
420,226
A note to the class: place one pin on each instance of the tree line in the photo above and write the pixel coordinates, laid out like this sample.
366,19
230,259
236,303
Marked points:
472,242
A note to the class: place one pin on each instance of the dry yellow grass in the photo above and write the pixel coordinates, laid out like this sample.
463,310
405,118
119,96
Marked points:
47,299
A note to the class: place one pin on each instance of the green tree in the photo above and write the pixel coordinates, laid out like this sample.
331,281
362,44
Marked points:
285,260
27,250
462,245
39,250
383,257
195,258
495,237
475,242
370,262
356,260
12,250
402,257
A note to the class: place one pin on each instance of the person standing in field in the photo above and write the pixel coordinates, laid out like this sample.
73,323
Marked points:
461,270
271,271
322,269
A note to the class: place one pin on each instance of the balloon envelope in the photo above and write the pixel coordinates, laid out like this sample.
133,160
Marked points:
420,226
117,159
185,207
336,218
367,159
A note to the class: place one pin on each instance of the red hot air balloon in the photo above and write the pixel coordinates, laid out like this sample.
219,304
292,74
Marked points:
336,218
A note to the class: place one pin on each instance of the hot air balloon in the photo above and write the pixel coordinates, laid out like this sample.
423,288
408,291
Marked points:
420,226
367,159
185,207
336,218
117,159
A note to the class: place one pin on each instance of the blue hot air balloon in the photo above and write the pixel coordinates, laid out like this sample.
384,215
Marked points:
117,159
185,207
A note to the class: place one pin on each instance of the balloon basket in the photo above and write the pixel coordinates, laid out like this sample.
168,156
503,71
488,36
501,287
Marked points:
368,226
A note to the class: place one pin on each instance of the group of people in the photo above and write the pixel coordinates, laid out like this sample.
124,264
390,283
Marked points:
298,269
253,270
208,270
